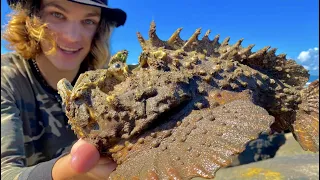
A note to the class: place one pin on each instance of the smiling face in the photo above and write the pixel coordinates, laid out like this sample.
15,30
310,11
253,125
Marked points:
74,26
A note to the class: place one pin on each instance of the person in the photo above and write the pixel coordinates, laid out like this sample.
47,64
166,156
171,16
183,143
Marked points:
51,40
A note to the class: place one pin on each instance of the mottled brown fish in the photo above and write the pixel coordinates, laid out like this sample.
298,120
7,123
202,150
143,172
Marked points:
189,107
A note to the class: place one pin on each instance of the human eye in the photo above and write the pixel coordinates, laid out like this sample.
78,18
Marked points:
57,15
89,22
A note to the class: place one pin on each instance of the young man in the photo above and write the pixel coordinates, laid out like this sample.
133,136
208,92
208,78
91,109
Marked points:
51,39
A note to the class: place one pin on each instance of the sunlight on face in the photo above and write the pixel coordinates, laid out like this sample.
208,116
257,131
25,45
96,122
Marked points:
74,26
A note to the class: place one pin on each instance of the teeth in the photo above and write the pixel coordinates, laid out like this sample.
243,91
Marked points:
68,49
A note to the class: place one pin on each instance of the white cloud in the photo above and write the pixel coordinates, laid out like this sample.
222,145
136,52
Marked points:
310,60
309,55
307,84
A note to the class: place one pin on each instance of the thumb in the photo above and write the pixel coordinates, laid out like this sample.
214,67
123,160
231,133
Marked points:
83,157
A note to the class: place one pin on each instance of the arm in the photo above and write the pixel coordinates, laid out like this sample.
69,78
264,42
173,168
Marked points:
13,160
84,156
12,150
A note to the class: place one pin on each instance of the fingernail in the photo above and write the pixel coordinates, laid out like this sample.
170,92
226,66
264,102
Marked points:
77,145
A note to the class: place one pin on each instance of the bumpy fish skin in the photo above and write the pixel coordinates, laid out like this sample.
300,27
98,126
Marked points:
189,107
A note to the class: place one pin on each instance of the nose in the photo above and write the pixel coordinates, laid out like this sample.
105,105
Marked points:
72,32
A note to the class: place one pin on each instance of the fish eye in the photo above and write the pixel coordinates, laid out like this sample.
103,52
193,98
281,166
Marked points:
117,65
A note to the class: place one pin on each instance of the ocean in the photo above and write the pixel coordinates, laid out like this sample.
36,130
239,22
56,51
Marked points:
312,78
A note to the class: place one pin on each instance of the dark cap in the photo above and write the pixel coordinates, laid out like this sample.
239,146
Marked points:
113,14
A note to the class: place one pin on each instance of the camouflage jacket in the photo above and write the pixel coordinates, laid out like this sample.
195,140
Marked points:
34,128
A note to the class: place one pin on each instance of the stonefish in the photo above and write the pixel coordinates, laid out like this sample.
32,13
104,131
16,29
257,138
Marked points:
190,106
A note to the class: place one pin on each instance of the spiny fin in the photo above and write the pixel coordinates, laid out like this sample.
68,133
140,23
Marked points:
174,37
225,42
141,41
153,37
272,51
282,56
294,74
233,51
192,39
215,41
206,35
245,51
306,125
278,66
238,43
259,53
213,45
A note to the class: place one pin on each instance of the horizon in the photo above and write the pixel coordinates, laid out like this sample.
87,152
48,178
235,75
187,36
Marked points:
290,26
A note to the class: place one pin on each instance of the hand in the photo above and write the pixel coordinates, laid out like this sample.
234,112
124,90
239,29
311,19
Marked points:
83,162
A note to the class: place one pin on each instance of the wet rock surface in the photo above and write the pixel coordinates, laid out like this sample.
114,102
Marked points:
290,162
265,147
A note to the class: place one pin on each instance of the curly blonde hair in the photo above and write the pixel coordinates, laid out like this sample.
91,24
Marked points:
24,32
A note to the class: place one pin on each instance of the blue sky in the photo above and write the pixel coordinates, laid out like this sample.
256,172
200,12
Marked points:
290,25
